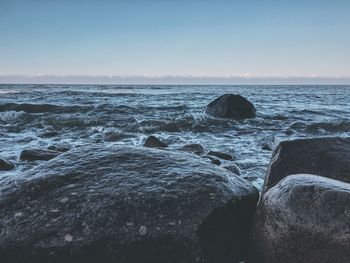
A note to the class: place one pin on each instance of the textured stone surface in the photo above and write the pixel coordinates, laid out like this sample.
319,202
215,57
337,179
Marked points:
303,219
154,142
329,157
125,204
38,155
223,156
193,148
6,165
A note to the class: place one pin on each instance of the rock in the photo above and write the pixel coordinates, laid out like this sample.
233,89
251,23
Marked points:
49,134
220,155
328,157
113,136
6,165
213,160
289,132
58,148
233,169
303,219
193,148
125,204
38,154
231,106
154,142
270,143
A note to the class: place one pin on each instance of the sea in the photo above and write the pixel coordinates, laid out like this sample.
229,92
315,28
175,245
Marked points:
38,116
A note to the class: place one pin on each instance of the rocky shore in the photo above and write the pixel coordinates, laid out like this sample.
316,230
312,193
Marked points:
125,204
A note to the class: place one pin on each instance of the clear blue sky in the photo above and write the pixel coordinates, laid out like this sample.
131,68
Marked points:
179,37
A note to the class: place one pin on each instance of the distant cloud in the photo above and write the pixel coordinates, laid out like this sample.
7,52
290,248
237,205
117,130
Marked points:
246,79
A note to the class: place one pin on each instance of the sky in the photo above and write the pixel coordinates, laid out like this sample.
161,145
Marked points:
164,39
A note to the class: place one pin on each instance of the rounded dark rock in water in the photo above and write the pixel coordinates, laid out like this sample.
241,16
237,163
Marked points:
303,219
329,157
154,142
233,169
6,165
125,205
231,106
193,148
213,159
224,156
38,155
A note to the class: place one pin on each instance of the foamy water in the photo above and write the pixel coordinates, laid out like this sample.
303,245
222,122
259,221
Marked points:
83,114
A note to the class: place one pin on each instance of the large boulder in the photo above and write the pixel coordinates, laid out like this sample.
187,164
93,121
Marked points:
329,157
231,106
125,204
303,219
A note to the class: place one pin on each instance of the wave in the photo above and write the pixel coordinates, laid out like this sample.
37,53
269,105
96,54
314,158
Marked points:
334,127
11,116
322,127
41,108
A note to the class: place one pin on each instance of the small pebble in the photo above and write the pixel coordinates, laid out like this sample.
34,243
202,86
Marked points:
143,230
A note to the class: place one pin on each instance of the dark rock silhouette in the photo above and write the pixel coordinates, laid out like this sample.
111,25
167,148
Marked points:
6,165
231,106
154,142
125,204
193,148
224,156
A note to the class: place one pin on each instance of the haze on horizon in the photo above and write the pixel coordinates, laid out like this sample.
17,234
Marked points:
193,39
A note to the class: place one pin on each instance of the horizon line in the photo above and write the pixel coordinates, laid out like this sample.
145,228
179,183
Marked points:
249,79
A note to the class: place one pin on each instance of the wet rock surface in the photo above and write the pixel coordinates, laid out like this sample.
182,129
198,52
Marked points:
38,155
59,148
233,169
193,148
125,204
303,219
270,143
6,165
231,106
329,157
223,156
212,159
154,142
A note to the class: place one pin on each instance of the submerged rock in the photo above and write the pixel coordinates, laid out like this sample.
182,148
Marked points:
193,148
38,155
233,169
49,134
125,204
6,165
224,156
59,148
270,143
154,142
303,219
213,160
329,157
231,106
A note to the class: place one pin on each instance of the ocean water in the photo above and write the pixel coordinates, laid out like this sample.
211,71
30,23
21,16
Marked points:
37,116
